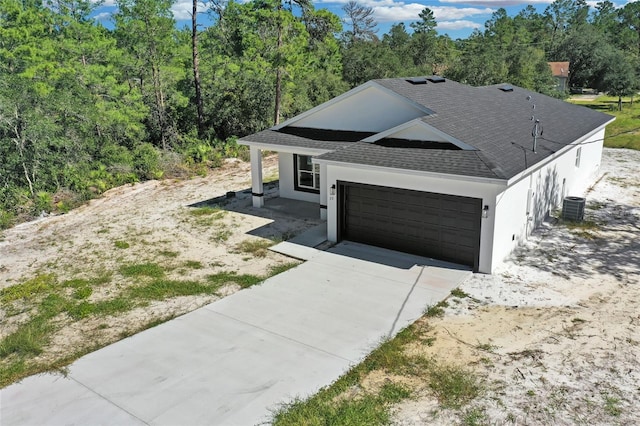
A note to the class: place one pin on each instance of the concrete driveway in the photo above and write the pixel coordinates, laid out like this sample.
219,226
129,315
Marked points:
233,361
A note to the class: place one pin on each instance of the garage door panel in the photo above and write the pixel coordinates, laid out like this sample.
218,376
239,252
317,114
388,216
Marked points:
424,223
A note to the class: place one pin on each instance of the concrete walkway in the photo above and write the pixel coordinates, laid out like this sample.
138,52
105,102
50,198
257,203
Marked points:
233,361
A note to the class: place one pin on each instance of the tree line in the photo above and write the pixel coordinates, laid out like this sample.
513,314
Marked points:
84,108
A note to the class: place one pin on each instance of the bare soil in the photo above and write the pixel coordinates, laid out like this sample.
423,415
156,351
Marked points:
555,333
150,222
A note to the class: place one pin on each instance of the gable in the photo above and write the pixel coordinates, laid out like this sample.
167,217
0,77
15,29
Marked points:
372,109
418,133
418,130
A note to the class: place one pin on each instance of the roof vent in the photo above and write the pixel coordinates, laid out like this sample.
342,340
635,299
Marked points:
436,79
417,80
506,88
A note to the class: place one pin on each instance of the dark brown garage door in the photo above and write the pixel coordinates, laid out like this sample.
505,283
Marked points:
428,224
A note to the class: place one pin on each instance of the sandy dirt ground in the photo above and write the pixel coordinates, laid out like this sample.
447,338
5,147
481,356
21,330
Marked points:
555,333
147,222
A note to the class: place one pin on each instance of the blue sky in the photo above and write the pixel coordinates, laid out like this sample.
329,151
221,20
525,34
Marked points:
457,18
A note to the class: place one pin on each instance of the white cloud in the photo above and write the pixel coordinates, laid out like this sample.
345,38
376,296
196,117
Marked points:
182,9
409,12
102,16
458,25
107,3
498,3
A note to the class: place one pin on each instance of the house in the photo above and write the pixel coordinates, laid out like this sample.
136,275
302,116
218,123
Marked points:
560,72
433,167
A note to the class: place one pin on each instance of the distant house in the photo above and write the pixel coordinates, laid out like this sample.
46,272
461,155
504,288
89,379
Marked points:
433,167
560,72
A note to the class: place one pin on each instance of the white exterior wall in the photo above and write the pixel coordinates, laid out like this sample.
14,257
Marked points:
545,184
445,185
419,133
286,175
370,110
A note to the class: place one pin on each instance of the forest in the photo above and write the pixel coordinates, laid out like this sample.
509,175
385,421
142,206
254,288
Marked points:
84,108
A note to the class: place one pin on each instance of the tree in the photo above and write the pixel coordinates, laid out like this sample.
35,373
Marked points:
605,19
630,18
145,29
196,68
360,18
586,50
427,23
618,78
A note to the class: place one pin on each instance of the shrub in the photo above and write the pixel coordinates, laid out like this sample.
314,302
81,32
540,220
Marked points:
146,160
6,219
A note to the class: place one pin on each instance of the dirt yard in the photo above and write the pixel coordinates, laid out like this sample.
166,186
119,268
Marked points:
555,334
163,228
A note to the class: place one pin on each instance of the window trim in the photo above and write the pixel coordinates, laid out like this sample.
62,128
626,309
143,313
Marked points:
296,176
578,156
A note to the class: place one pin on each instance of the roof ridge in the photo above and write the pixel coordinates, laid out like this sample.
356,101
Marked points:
496,170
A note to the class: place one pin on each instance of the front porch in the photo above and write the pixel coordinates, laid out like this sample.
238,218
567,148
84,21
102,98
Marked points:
289,187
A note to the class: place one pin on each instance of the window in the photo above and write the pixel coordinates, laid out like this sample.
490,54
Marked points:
307,174
578,153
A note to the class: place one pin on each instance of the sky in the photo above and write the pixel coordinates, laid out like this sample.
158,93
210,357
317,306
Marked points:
457,18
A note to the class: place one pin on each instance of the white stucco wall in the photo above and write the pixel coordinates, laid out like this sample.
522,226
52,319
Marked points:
286,174
545,186
445,185
370,110
418,133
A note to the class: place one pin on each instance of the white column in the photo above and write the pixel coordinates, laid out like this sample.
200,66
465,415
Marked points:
323,191
257,192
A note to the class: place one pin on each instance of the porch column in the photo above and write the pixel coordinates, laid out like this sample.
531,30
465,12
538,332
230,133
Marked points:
323,191
257,192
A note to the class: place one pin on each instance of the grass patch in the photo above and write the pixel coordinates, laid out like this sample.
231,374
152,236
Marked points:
475,417
36,286
207,211
330,407
82,292
193,264
453,386
584,225
612,406
436,311
102,308
367,410
207,216
121,244
621,133
244,280
456,292
278,269
168,253
30,337
222,234
152,270
257,248
165,289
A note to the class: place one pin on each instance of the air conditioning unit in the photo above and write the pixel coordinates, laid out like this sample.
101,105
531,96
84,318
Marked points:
573,208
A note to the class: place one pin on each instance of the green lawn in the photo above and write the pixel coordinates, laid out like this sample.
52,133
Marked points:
625,131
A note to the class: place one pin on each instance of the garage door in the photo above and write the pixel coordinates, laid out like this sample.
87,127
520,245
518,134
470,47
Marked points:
428,224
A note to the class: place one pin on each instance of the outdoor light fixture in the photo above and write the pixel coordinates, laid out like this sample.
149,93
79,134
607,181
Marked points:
332,191
485,211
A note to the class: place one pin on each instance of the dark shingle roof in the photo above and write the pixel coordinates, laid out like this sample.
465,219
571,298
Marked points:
457,162
499,123
494,122
273,137
326,134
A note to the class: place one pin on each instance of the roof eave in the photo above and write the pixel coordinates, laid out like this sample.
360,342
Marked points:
464,178
291,149
559,153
